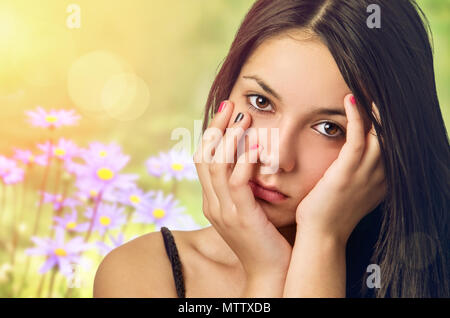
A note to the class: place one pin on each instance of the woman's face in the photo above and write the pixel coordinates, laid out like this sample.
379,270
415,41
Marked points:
303,79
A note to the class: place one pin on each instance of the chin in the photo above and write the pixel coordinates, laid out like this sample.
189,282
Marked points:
277,214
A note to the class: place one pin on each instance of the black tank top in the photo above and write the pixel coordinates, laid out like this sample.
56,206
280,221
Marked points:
172,253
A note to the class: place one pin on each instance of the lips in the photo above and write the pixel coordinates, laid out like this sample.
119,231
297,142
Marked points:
270,194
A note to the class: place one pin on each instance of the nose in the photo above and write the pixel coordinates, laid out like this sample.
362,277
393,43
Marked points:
287,139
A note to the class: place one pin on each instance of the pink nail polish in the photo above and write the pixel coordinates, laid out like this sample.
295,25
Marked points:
352,100
222,106
255,146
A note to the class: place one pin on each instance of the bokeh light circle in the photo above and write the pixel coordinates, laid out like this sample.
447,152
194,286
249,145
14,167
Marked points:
87,77
125,97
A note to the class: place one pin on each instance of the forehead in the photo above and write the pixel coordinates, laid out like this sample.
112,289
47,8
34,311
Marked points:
301,70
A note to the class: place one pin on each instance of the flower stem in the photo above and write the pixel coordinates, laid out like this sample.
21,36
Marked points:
3,203
94,215
14,231
41,284
38,214
129,213
16,238
174,187
52,281
103,236
43,188
59,211
24,192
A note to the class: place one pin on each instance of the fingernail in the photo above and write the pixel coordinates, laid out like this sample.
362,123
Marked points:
352,100
239,117
254,146
222,105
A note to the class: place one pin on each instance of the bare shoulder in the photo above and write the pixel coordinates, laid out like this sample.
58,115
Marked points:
139,268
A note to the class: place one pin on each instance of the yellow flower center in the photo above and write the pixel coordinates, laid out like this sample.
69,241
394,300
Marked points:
93,193
159,213
59,198
135,199
71,225
177,166
105,174
102,153
60,251
51,119
31,158
59,152
105,220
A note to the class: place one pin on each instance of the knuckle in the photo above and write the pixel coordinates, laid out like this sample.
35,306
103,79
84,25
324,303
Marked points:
228,220
234,184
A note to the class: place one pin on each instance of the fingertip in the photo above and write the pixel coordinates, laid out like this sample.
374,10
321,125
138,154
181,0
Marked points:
352,99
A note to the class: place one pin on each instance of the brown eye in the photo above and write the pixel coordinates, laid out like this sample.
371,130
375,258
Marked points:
330,129
260,103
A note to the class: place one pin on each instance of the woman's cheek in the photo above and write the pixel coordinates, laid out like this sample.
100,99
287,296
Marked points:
316,157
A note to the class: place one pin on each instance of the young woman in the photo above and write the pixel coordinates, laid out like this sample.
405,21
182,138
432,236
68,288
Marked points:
362,165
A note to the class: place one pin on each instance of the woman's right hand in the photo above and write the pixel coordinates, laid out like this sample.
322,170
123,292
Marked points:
229,203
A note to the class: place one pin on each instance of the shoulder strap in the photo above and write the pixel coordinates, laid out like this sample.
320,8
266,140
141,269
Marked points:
172,253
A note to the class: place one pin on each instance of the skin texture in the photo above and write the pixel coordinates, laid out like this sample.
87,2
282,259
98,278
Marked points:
261,247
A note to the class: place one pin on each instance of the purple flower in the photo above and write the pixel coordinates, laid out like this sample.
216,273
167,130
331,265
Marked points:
9,171
59,253
179,165
27,157
108,217
132,196
85,192
59,201
101,152
101,171
162,211
53,118
69,222
156,166
64,149
73,168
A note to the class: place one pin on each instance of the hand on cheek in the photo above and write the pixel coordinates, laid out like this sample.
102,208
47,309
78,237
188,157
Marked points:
228,200
351,187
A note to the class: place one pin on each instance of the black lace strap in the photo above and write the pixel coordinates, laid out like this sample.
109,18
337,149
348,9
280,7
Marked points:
172,253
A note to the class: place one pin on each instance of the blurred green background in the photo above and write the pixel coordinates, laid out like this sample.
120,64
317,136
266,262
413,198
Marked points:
172,49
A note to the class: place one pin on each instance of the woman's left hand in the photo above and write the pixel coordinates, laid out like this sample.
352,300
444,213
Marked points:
351,187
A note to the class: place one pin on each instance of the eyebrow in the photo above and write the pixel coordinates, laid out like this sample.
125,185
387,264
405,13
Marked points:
264,86
317,111
329,111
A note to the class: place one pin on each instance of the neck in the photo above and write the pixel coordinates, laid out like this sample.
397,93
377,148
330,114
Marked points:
289,232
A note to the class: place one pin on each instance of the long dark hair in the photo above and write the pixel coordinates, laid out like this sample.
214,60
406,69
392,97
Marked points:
407,234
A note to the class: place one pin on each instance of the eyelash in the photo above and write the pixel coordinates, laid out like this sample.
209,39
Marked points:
257,110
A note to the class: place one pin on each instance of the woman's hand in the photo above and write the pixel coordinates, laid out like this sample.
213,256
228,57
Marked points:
229,203
351,187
